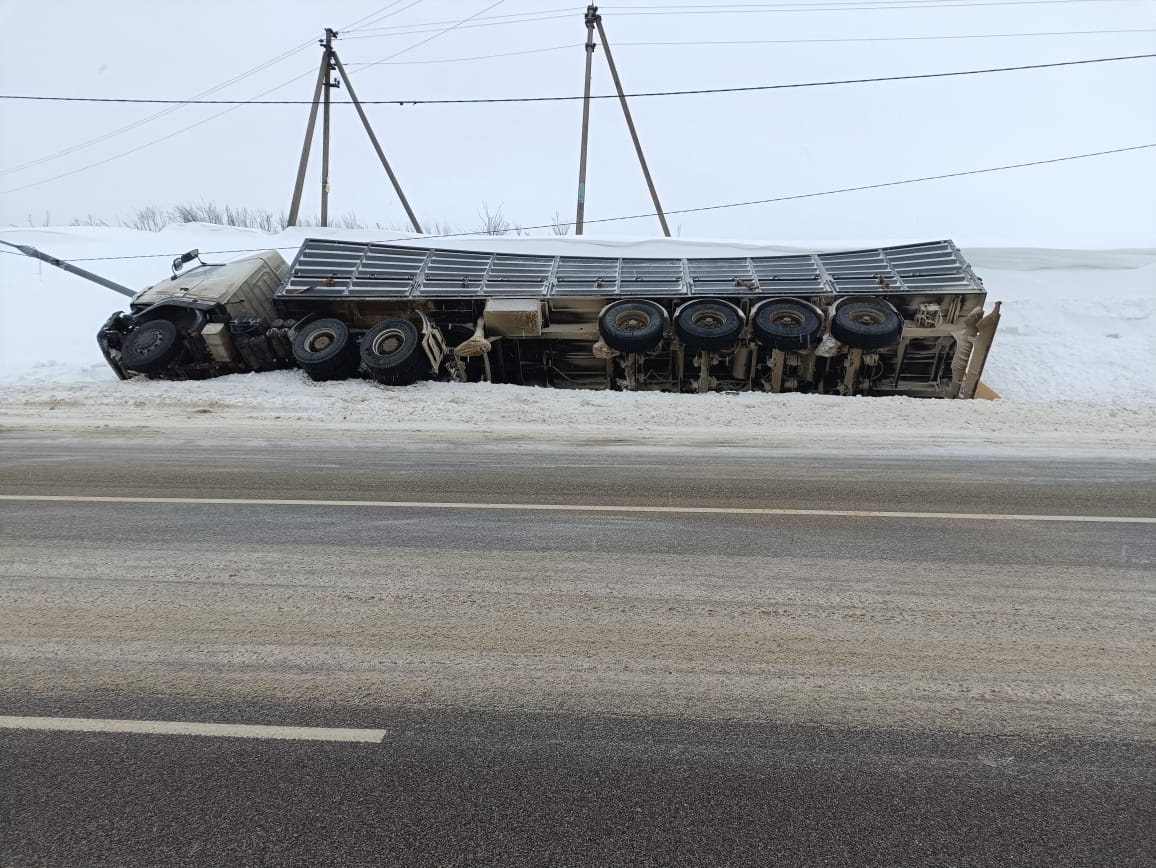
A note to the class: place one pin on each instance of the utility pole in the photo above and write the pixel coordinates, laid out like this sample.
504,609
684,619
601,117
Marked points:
594,20
331,63
376,145
329,84
303,165
591,14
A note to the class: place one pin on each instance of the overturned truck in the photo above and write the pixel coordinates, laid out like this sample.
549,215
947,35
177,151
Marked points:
906,320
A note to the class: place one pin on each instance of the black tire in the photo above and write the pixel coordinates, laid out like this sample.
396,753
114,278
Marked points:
866,324
325,350
708,325
787,325
632,326
392,352
152,347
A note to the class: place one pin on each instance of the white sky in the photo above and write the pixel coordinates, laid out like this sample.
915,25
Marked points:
703,150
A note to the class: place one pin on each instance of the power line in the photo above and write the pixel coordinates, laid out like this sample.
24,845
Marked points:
796,7
878,186
836,7
695,92
713,42
569,47
877,38
381,14
174,105
231,108
701,208
453,26
177,105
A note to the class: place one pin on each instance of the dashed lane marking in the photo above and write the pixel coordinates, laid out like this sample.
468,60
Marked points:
580,507
175,727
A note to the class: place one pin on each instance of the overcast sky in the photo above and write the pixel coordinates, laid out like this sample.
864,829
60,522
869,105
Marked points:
703,149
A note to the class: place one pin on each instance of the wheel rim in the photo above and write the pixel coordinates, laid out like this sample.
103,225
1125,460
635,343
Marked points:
388,343
709,319
867,317
149,340
320,340
788,319
632,320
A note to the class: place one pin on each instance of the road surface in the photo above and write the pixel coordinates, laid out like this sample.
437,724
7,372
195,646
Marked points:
568,654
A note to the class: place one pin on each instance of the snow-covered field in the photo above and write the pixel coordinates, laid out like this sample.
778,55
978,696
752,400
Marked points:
1074,359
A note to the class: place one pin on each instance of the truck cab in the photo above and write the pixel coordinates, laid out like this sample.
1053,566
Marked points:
192,321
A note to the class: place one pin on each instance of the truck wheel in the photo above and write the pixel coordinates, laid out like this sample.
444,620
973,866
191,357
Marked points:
787,325
866,324
708,325
151,348
632,326
392,352
325,350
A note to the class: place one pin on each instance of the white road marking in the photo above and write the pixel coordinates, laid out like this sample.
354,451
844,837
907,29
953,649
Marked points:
176,727
581,507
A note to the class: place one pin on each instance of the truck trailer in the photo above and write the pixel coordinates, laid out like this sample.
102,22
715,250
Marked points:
901,320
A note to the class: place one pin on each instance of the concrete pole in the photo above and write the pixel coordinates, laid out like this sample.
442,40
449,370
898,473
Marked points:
630,125
299,186
591,16
329,34
376,144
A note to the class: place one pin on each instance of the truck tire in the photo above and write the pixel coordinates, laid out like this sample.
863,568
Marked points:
325,350
866,324
708,325
152,347
632,326
392,352
787,325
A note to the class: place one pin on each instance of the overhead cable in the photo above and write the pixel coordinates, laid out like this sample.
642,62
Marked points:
620,12
693,92
574,46
699,209
231,108
375,16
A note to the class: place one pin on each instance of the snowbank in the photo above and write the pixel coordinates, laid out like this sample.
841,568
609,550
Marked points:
1075,357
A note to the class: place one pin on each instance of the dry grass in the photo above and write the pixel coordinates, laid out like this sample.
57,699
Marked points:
154,218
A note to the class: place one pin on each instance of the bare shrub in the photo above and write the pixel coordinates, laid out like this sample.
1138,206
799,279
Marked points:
154,218
493,222
439,228
150,219
558,226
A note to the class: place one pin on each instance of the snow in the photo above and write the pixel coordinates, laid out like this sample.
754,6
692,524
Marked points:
1074,359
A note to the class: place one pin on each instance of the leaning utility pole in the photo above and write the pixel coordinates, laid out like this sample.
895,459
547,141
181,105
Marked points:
594,20
331,63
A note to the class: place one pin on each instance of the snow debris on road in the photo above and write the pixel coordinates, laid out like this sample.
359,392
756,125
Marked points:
1074,359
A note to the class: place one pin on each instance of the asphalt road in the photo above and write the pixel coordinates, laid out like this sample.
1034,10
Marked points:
576,686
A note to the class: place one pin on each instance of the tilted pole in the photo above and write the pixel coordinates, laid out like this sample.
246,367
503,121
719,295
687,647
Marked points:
329,34
64,265
299,186
630,124
376,145
591,15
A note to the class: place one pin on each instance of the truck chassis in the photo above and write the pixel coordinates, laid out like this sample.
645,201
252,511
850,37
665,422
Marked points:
904,320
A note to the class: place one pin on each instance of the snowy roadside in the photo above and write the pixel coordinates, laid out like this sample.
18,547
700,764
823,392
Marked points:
1074,359
286,404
